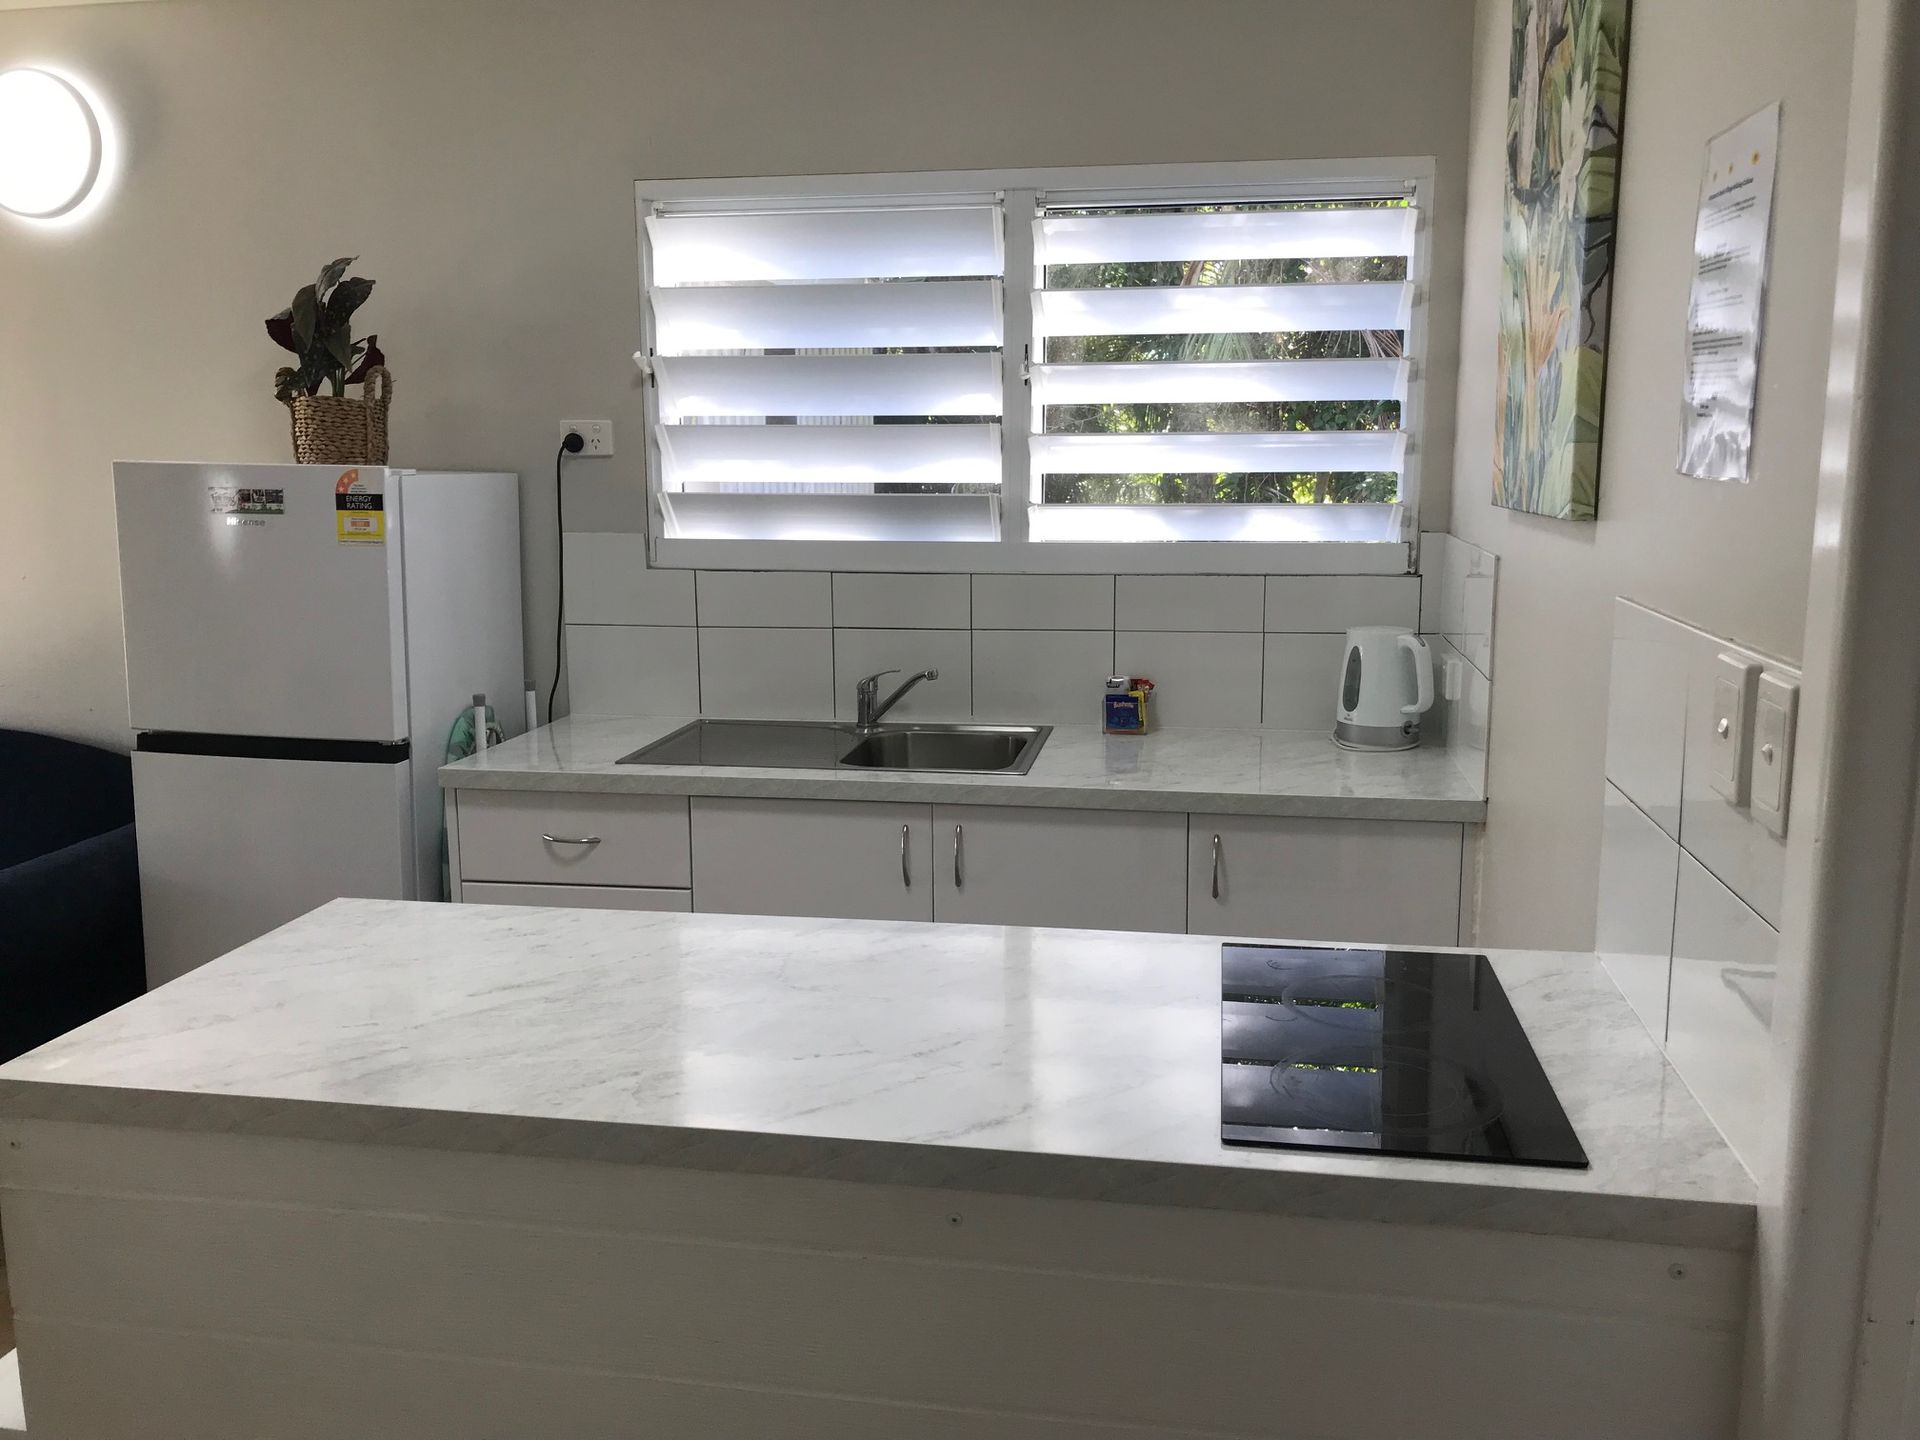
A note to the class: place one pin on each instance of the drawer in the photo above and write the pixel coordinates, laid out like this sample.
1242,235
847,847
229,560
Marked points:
578,897
532,837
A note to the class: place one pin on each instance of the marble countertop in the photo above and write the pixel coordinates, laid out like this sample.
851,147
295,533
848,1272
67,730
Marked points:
1035,1062
1236,772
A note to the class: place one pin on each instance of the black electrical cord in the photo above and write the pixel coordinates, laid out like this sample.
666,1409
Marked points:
572,445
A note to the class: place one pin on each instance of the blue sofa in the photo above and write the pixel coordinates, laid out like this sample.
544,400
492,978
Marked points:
70,943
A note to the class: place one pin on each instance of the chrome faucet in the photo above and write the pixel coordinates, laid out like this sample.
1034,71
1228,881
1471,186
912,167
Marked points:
868,708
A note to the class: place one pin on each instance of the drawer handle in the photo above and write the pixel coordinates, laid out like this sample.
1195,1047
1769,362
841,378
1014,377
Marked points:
571,839
906,875
1216,867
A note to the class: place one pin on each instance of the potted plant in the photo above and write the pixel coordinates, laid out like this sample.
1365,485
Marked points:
332,429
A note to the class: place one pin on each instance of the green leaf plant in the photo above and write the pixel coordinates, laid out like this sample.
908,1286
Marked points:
318,328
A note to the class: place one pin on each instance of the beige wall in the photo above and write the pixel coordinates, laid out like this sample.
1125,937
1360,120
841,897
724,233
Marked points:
479,155
1731,559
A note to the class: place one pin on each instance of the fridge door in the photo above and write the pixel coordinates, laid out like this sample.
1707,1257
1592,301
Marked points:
256,606
231,848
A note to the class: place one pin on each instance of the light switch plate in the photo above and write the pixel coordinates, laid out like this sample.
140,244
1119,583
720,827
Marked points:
1776,709
1731,726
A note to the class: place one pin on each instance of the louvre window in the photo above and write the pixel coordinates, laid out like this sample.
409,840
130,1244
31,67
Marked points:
845,359
1039,356
1225,354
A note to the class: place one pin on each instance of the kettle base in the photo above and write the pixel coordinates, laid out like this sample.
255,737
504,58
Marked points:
1349,736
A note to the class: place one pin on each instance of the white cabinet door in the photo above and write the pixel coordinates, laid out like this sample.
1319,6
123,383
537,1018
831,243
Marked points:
1082,869
1390,882
841,859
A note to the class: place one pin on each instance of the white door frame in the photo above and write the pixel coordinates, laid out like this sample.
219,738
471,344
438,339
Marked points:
1839,1256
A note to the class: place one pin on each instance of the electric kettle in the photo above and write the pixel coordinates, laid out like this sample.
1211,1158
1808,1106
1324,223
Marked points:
1386,685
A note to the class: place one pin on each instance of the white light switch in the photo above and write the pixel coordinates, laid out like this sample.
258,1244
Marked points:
1775,711
1731,722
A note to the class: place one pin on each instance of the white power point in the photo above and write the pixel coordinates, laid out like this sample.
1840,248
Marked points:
597,433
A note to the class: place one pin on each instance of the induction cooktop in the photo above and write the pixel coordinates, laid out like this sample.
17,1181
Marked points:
1382,1052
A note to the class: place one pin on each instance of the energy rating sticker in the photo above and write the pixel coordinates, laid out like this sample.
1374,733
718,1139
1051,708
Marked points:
359,511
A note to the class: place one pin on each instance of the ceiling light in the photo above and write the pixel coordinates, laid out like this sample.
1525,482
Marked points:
50,144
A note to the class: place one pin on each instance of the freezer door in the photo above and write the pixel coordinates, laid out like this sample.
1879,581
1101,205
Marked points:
248,613
231,848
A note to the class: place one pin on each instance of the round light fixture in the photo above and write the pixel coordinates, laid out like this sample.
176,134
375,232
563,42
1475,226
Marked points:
50,145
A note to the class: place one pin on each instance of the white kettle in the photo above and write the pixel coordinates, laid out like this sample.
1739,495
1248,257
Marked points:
1386,685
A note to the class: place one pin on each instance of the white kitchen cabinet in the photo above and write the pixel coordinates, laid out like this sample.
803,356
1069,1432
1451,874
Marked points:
577,897
1394,882
1084,869
835,858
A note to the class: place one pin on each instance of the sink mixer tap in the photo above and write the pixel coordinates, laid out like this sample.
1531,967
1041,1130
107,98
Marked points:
868,708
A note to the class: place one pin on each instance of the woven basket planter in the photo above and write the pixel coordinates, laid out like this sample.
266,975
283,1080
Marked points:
334,430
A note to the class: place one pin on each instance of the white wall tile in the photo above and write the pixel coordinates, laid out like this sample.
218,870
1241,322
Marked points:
862,652
781,599
1199,679
1041,677
1470,617
891,602
608,583
1647,710
1459,724
1190,602
1724,837
766,674
1437,549
1720,1009
1633,928
633,670
1456,595
1337,603
1043,602
1302,681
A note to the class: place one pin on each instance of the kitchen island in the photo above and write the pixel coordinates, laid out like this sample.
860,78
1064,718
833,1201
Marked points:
464,1170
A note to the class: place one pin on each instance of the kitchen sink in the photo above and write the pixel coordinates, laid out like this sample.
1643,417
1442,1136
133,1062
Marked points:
812,745
999,749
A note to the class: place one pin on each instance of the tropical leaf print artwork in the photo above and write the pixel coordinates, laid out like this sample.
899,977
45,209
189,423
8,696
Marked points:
1563,165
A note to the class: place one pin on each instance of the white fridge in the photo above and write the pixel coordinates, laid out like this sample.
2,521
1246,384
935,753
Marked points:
300,640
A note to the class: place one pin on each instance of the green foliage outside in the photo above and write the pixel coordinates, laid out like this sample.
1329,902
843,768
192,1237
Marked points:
1264,417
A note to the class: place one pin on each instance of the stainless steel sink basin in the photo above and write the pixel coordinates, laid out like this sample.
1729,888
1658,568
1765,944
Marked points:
811,745
948,748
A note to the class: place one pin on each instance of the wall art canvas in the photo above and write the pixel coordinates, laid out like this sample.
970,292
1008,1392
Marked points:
1568,83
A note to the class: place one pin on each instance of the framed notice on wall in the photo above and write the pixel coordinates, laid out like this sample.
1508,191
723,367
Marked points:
1730,241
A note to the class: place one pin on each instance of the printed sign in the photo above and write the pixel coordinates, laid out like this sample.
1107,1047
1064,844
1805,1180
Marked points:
246,506
359,511
1729,286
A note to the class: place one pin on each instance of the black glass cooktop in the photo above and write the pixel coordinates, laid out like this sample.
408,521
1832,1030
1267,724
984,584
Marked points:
1385,1052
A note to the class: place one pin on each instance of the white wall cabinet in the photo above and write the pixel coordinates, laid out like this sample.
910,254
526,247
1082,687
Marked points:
843,859
1080,869
1390,882
1366,881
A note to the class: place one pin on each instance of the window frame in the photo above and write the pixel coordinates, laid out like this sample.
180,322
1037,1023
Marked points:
1389,531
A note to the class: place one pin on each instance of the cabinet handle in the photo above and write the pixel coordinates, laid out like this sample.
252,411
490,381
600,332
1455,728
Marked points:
906,874
571,839
958,881
1216,867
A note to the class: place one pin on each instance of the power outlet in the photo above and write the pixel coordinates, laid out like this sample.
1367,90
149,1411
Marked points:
597,433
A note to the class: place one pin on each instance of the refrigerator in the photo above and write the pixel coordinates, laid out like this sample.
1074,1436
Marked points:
300,640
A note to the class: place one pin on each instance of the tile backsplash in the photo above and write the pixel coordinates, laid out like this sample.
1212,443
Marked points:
1690,884
1225,650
